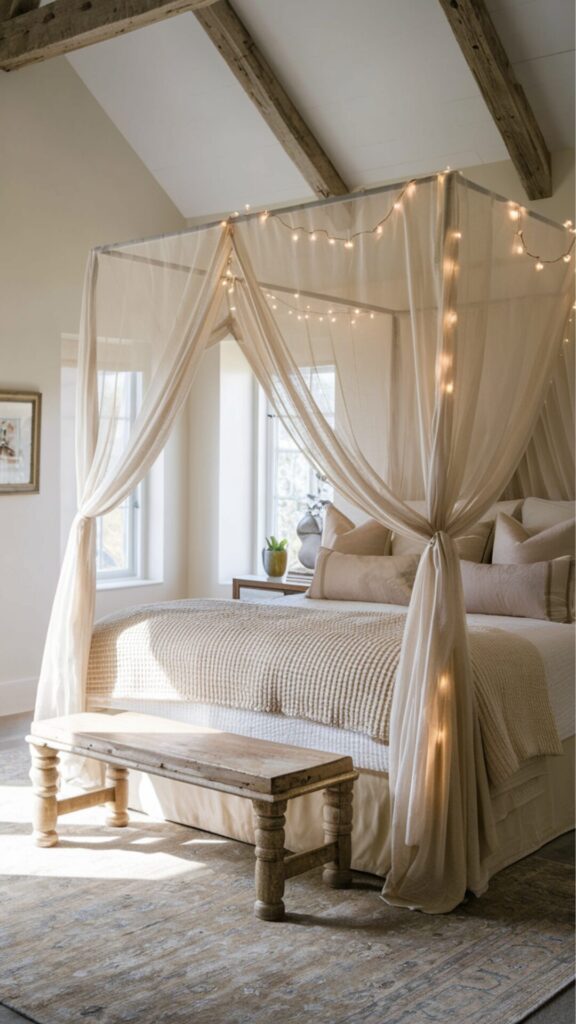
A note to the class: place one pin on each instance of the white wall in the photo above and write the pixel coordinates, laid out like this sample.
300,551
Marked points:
204,402
69,181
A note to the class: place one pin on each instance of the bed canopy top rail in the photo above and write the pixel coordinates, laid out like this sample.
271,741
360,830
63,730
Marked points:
323,203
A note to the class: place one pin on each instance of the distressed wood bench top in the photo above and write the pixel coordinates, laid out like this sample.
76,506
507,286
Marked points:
241,765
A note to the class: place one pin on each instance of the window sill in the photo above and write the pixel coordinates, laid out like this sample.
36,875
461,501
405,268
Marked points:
126,584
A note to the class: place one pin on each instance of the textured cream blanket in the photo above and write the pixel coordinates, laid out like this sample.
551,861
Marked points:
331,667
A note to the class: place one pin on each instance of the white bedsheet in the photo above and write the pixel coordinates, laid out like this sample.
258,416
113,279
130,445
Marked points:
554,641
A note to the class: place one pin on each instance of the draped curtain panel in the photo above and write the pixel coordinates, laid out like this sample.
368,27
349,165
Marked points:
423,306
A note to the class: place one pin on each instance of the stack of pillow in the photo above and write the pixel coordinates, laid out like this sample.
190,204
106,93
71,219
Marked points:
532,568
518,561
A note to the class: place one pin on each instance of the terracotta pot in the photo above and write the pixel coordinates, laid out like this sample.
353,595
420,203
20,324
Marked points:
274,562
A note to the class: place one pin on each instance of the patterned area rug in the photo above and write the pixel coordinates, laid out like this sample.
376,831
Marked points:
153,924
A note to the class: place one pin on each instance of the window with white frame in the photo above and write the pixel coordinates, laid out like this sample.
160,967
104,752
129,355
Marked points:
264,479
119,533
292,482
120,554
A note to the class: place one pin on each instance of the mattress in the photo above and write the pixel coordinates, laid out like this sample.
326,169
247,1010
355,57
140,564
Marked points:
554,642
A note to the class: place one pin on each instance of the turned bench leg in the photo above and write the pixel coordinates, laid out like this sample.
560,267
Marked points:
269,822
116,809
338,829
44,775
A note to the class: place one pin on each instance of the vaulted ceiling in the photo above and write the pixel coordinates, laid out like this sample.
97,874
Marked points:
382,83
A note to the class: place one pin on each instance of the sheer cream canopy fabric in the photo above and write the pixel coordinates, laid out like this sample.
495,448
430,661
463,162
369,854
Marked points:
442,342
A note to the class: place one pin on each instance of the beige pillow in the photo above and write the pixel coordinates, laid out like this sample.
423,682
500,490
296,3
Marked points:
536,591
472,546
516,545
511,507
381,578
539,514
340,534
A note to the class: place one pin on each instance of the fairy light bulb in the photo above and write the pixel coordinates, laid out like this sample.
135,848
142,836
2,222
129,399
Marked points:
411,188
539,265
379,229
519,248
263,216
313,236
331,241
449,388
296,295
289,312
398,205
567,223
357,312
295,236
306,316
332,319
457,235
321,319
299,317
349,244
452,317
223,223
567,257
246,207
371,316
236,213
514,213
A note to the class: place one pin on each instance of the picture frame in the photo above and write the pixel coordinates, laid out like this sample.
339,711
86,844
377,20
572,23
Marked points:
20,413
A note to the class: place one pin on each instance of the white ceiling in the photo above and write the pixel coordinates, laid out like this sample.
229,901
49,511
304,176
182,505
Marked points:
382,83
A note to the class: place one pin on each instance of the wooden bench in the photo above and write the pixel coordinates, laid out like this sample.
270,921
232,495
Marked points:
269,774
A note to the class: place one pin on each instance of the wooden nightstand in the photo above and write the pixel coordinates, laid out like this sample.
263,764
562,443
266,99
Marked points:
283,585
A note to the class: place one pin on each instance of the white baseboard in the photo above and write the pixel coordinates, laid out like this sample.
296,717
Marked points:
17,696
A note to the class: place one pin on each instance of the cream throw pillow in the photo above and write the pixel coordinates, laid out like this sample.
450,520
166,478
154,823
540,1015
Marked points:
341,534
514,544
539,514
380,578
540,590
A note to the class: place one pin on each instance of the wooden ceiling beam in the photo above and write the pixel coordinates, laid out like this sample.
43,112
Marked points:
22,7
66,25
503,94
250,67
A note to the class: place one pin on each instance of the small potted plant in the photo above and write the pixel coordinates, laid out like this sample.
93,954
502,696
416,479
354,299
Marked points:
275,556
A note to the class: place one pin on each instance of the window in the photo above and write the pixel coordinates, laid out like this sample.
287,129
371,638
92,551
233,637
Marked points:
263,478
291,477
120,534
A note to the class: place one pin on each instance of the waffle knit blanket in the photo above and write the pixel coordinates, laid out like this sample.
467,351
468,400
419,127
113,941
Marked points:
331,667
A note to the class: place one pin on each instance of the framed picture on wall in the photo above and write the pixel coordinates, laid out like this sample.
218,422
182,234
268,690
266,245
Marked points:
19,441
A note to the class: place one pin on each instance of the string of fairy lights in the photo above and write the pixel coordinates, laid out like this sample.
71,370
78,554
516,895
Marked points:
333,311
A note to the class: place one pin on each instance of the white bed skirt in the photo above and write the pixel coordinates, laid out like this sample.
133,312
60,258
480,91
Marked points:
534,807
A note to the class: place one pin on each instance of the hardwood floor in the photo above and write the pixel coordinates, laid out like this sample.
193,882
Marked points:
560,1010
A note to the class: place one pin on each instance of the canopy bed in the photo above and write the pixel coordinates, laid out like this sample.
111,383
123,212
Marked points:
444,311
